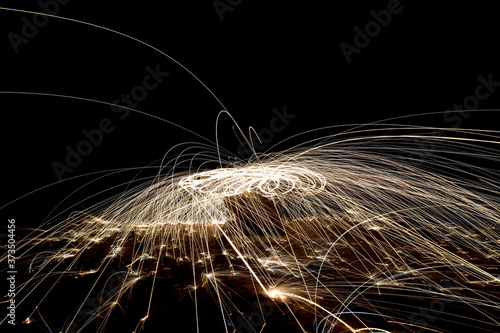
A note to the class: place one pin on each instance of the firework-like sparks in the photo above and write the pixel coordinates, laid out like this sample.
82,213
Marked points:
345,233
337,233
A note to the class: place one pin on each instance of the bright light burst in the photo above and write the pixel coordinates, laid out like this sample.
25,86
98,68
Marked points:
345,235
342,233
265,180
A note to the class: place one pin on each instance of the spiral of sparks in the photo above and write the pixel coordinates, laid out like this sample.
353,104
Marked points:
319,231
342,235
268,181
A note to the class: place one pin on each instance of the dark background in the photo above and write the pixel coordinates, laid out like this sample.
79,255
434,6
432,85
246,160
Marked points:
262,55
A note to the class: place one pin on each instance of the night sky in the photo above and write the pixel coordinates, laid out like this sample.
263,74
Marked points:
260,58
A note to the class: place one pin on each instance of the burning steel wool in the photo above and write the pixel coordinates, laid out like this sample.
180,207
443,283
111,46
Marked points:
343,233
343,238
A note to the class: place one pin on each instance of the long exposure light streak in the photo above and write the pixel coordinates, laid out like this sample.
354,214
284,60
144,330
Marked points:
343,233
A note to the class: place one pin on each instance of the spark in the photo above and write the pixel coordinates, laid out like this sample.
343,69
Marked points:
318,229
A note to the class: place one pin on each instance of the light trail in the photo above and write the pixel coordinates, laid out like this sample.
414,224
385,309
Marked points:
341,224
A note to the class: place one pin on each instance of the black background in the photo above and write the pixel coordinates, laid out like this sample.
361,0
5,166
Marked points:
262,55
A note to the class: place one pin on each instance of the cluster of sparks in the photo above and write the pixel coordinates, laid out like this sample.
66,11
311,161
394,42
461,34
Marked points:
335,234
344,234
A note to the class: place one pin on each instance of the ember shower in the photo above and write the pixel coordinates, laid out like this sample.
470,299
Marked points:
343,233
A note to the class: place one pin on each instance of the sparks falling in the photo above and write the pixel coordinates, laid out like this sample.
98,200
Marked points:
320,231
